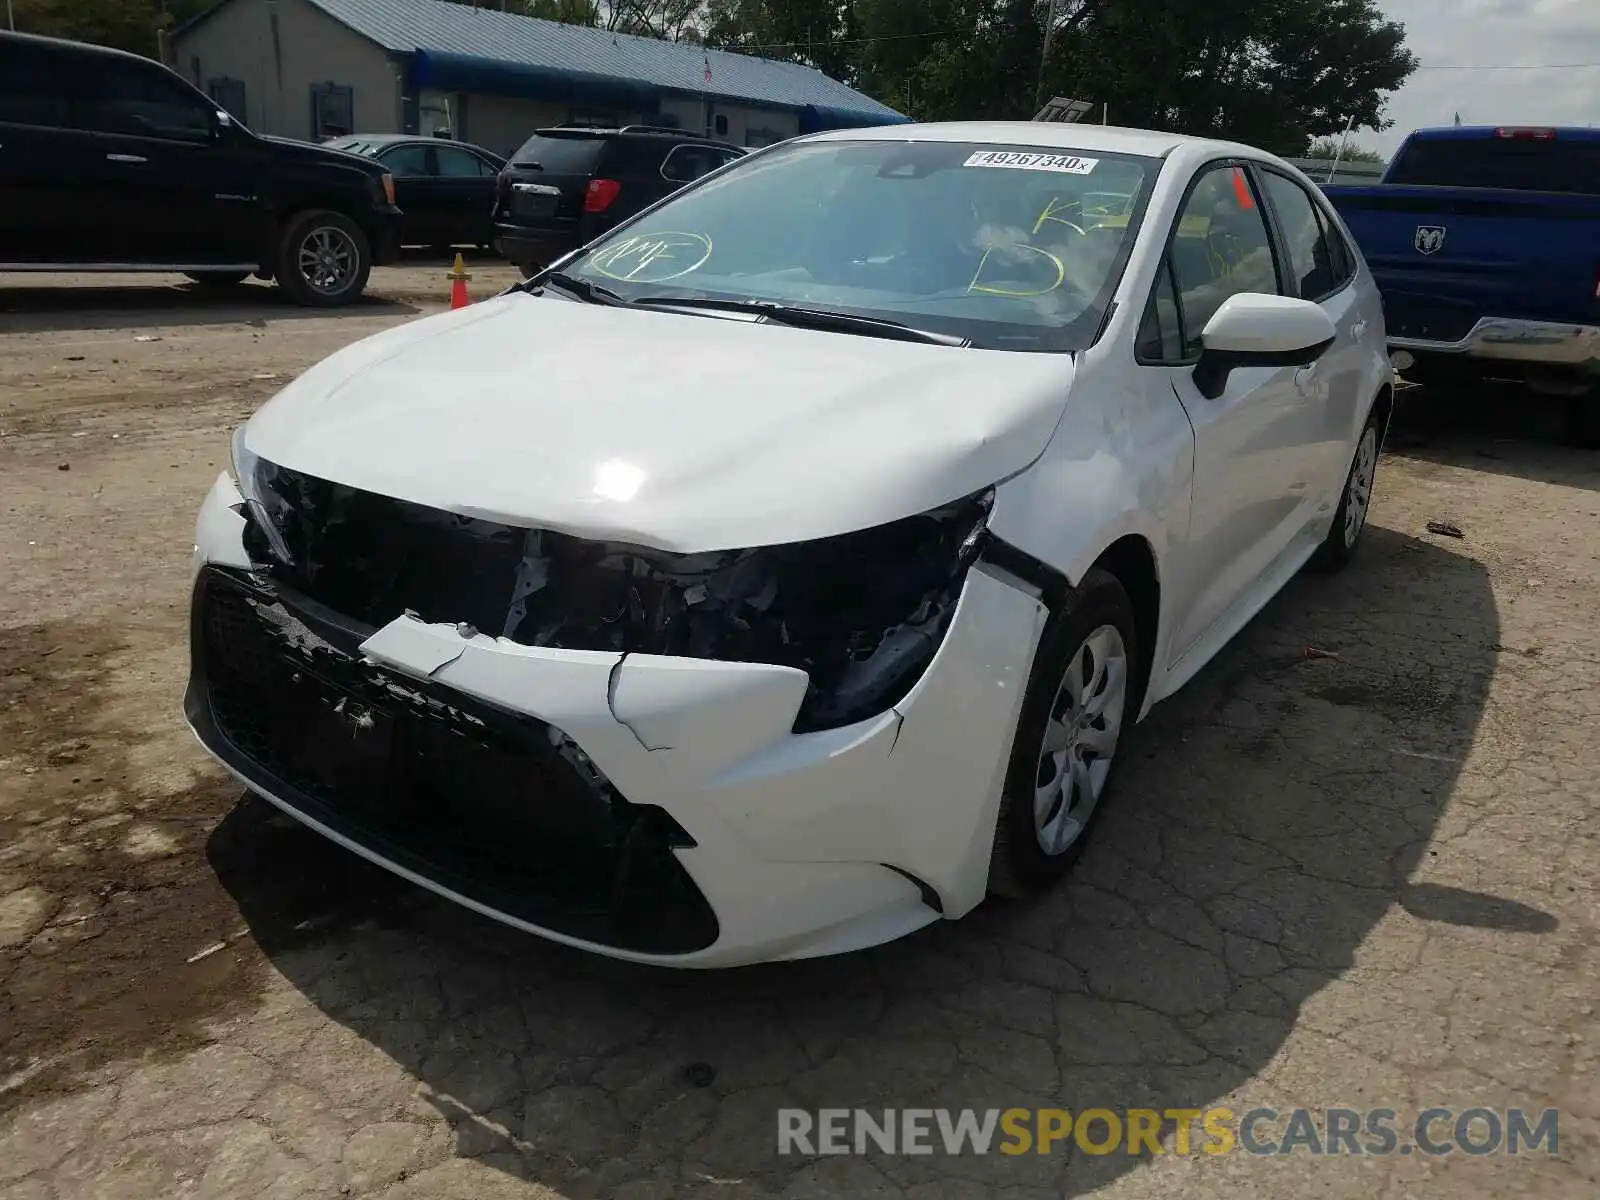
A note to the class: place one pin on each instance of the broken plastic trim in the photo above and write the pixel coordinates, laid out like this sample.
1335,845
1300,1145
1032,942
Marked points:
861,613
930,897
1051,584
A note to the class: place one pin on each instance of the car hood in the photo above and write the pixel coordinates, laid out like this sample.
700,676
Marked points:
291,149
683,432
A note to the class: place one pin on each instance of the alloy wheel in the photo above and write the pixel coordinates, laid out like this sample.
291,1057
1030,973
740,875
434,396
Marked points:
1080,739
1358,492
328,260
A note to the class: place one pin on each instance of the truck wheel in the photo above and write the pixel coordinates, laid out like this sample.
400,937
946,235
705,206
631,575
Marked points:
1582,424
323,259
218,279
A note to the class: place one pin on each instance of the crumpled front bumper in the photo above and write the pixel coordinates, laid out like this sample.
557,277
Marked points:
804,844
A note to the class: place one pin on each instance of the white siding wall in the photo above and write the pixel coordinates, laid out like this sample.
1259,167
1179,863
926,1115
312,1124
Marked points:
312,48
502,123
237,42
743,120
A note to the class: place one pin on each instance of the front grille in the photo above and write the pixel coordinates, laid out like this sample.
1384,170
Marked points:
495,806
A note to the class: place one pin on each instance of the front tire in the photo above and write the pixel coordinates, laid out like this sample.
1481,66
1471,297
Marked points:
323,259
1085,689
1350,519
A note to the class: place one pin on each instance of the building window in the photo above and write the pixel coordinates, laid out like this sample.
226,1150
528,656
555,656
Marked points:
332,110
762,137
721,125
228,95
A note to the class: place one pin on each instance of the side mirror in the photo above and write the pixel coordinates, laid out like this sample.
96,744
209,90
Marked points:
1253,329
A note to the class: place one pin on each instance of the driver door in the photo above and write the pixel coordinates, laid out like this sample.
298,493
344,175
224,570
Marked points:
177,187
1251,442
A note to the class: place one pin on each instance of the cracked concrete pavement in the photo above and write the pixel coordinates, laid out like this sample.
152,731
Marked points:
1363,880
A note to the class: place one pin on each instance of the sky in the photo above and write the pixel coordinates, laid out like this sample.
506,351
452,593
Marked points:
1507,33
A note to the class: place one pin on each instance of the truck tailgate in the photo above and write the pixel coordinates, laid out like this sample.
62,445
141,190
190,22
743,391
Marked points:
1444,257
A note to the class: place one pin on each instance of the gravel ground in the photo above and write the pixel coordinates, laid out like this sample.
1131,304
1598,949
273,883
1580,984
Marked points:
1361,880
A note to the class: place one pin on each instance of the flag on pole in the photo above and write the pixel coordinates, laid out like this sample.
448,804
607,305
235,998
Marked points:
708,68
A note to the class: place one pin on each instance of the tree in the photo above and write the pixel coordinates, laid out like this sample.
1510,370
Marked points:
1274,73
818,33
1329,148
567,12
125,24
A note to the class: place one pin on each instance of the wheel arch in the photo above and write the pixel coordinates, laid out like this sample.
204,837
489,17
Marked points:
1382,407
1131,560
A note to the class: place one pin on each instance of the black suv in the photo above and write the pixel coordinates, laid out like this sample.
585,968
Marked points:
109,161
568,185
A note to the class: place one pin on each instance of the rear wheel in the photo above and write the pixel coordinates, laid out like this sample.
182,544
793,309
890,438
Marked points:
1350,519
218,279
323,259
1086,687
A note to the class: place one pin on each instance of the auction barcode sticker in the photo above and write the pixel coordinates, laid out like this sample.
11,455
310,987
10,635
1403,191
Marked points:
1022,160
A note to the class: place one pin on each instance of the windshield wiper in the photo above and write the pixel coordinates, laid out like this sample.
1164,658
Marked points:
590,293
810,318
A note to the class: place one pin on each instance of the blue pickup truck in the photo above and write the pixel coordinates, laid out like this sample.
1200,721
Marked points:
1485,243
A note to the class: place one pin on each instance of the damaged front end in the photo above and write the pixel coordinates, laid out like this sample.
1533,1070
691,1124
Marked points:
861,613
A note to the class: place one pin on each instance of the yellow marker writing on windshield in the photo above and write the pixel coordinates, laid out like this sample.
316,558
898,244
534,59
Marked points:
1056,205
1061,272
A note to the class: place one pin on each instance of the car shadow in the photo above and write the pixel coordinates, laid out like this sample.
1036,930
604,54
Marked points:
86,303
1266,820
1498,427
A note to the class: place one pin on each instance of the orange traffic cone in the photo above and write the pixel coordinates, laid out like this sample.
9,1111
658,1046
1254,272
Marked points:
458,284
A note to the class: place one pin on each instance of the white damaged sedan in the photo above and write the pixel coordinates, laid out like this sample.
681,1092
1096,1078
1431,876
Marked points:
785,570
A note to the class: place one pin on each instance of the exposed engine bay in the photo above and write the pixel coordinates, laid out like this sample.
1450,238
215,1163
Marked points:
861,613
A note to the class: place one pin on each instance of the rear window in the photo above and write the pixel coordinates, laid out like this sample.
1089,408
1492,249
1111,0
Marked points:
1513,164
560,155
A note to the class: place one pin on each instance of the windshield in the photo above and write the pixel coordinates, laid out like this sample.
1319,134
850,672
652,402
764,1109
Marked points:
1013,248
560,154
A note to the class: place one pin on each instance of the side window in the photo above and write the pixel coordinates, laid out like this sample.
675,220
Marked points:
686,163
35,88
1339,257
1314,273
461,164
1160,335
129,98
1219,249
406,160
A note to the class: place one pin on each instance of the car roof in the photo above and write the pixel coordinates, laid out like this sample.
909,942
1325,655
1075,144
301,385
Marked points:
1561,133
663,132
1107,139
397,139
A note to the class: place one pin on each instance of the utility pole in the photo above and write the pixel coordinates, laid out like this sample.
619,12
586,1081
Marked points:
11,17
1044,49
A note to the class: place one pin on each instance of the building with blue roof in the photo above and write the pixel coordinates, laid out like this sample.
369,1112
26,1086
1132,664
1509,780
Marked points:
319,68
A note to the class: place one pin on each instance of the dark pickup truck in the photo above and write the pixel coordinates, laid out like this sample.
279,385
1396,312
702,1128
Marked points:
1485,244
111,162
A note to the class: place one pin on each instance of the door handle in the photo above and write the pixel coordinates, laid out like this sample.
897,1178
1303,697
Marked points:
127,158
1358,330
